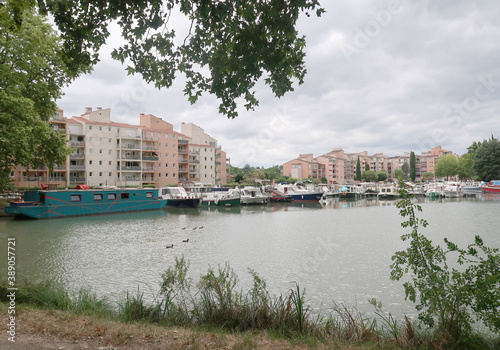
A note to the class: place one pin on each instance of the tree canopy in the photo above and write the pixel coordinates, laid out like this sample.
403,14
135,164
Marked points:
32,74
446,165
229,44
487,160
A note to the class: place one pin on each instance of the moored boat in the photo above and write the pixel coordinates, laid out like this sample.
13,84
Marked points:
252,195
491,187
221,199
299,193
350,192
46,204
178,197
388,192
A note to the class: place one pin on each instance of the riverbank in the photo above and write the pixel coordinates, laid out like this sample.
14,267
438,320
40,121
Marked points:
56,329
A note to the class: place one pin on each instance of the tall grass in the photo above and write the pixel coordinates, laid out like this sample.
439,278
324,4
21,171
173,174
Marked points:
217,302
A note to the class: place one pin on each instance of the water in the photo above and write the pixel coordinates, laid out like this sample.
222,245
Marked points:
338,251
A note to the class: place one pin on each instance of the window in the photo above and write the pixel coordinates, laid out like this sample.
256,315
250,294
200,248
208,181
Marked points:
166,175
109,152
97,196
100,150
90,150
173,136
90,127
100,128
109,140
76,197
166,165
90,174
124,195
110,174
109,162
100,139
166,155
109,129
173,165
111,196
149,194
90,139
90,162
100,173
100,162
173,175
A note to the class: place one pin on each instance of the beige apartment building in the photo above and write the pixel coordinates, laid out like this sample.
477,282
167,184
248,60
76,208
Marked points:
106,153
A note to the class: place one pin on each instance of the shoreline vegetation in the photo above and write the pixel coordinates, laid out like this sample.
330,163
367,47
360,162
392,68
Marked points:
213,314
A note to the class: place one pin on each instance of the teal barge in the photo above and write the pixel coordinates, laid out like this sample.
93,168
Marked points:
47,204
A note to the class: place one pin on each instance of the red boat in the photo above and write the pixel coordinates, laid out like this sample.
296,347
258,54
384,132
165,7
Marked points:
492,187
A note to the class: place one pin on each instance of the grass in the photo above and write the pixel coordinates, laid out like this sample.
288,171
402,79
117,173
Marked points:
241,320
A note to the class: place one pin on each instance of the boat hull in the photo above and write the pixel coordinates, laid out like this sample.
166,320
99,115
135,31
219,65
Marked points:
59,204
491,189
183,202
231,202
306,197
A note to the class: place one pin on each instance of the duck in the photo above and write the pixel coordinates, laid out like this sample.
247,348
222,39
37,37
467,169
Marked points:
184,228
200,227
185,240
169,246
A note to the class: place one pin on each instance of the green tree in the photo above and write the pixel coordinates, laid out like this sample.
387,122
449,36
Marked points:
228,45
466,166
487,160
358,171
367,166
369,175
272,173
413,166
323,180
447,295
406,170
447,165
32,73
238,177
427,176
382,175
398,173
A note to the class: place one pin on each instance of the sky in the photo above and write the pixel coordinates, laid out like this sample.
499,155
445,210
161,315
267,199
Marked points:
383,76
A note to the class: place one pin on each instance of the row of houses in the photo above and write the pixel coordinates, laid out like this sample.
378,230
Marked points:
339,167
106,153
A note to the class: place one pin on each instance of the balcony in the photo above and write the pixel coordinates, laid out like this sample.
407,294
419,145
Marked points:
183,161
77,156
183,151
35,178
76,167
130,157
194,161
151,179
129,168
150,158
194,152
130,146
150,170
183,142
77,144
150,148
194,171
76,180
61,179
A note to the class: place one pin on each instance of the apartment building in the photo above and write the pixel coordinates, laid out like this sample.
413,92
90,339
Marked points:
340,167
207,161
106,153
303,167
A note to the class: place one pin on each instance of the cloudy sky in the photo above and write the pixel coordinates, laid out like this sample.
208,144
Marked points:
383,76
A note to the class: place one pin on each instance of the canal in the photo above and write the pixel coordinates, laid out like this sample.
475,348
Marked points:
338,251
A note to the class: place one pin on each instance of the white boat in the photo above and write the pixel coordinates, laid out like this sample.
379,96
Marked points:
178,197
252,195
452,190
300,193
388,192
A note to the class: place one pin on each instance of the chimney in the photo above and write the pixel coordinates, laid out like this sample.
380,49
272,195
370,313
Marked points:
87,110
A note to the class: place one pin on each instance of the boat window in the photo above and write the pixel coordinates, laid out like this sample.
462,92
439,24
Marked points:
112,196
125,195
149,194
76,197
97,196
164,191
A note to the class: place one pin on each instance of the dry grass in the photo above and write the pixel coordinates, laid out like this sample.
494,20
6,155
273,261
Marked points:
60,329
